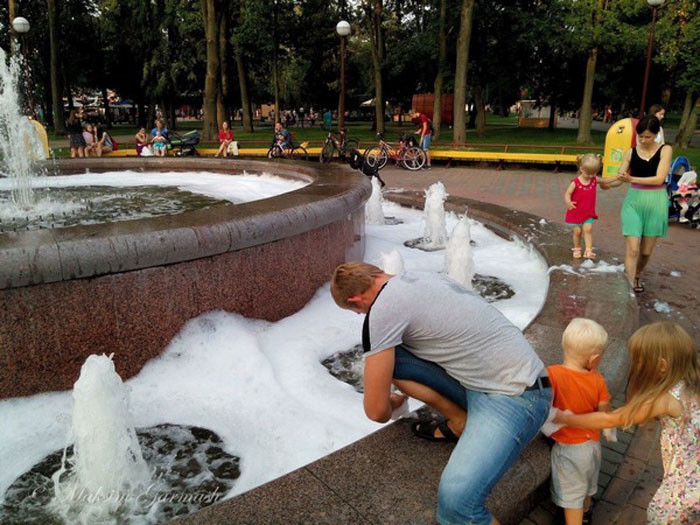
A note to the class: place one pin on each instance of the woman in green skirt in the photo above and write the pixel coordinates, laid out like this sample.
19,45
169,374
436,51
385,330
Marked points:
645,208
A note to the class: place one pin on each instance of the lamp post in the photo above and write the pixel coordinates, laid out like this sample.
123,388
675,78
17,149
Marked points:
655,4
343,29
19,26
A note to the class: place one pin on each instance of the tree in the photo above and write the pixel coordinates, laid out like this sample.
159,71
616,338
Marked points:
442,66
460,95
374,15
56,88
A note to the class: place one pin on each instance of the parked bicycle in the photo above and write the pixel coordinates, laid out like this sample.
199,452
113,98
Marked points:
407,155
337,145
295,152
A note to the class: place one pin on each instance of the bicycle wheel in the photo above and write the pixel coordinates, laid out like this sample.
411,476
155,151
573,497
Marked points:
275,152
299,153
350,144
376,157
327,152
413,158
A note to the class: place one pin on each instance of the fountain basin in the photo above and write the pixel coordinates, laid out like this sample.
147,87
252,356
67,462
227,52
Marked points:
129,287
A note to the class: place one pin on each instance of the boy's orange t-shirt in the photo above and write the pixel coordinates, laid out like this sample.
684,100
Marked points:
580,392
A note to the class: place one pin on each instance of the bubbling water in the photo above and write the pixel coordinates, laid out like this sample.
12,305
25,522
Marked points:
435,235
107,462
19,144
392,263
459,261
374,214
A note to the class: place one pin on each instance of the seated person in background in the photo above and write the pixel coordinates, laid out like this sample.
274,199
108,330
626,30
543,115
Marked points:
687,193
89,138
104,143
577,386
225,139
141,140
282,136
159,127
160,145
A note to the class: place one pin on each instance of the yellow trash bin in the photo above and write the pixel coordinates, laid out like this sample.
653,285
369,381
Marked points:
619,138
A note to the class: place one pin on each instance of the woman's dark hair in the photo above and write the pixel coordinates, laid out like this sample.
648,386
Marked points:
648,122
653,110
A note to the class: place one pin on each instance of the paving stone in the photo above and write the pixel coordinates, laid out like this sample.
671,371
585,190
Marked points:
605,513
646,487
527,521
640,448
618,491
624,436
608,467
541,517
630,469
632,515
612,456
604,479
618,446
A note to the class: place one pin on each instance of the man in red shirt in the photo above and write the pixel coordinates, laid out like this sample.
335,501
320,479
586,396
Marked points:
425,134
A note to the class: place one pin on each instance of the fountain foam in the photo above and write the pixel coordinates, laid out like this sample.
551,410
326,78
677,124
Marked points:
459,262
374,214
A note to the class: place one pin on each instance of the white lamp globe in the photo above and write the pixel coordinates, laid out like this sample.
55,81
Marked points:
655,3
20,25
343,28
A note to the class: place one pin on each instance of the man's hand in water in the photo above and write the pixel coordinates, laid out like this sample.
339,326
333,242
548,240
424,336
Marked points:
397,400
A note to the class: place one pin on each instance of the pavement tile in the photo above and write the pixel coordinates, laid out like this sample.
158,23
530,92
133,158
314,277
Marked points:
605,513
542,517
618,491
608,467
640,448
612,456
632,515
630,469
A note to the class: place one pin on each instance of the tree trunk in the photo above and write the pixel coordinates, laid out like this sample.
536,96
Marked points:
211,27
480,110
224,84
439,77
59,121
585,115
378,62
275,63
687,107
460,95
243,87
685,135
142,113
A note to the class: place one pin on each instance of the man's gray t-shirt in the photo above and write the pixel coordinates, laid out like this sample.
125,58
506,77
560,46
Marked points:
439,320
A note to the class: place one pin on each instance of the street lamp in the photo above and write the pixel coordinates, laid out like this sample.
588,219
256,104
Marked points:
20,25
655,4
343,29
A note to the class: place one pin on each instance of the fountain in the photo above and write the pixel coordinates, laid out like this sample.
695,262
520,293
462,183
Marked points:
435,235
392,262
459,263
374,214
20,146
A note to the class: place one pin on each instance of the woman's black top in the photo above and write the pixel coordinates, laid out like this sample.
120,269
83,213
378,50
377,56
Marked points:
645,168
75,127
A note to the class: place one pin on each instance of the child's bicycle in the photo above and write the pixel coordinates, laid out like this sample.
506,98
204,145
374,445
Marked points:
293,151
408,155
337,145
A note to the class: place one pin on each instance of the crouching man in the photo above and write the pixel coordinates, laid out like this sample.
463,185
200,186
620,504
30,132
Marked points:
444,345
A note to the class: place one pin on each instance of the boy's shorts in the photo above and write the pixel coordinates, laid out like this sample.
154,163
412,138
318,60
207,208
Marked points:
426,143
575,470
159,145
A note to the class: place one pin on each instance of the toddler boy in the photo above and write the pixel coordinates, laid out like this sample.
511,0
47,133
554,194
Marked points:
578,387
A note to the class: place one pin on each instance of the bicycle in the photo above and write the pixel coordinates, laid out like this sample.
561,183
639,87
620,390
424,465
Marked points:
293,152
408,156
337,144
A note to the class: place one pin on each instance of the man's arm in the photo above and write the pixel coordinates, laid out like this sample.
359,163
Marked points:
378,400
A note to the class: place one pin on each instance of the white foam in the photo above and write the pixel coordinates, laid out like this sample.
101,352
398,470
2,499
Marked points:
661,307
261,386
675,273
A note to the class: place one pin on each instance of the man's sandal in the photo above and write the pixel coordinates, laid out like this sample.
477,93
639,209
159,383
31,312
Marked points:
426,430
576,253
589,254
638,286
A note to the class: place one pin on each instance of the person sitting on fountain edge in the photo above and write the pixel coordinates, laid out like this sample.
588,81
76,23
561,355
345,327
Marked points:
444,345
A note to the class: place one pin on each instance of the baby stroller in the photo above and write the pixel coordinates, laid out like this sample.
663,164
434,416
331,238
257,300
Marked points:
683,197
185,144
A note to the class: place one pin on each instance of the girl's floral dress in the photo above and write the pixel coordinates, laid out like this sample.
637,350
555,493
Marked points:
678,499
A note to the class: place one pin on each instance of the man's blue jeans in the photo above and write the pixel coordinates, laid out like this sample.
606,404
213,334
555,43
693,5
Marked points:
498,428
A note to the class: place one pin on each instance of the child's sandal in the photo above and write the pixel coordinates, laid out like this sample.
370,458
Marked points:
576,253
590,254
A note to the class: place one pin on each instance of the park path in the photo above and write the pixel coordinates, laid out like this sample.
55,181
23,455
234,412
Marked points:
631,470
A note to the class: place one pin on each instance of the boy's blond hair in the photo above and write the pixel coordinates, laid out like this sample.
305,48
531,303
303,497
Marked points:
584,337
352,279
590,163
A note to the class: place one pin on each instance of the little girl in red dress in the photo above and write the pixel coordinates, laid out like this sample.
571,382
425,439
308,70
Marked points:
580,202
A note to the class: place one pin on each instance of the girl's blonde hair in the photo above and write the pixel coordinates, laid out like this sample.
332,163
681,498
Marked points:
590,163
662,355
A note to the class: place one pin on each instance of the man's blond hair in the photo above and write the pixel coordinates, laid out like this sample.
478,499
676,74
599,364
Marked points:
584,337
350,279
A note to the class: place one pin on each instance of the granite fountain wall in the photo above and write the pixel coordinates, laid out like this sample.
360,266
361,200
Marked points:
128,287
